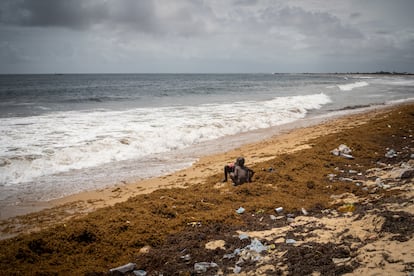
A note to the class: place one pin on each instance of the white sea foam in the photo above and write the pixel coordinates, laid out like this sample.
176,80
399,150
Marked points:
38,146
350,86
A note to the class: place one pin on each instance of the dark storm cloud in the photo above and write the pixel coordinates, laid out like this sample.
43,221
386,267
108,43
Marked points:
144,16
79,14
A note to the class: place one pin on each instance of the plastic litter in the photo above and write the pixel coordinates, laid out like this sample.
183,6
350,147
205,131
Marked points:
124,268
343,150
304,212
237,269
243,236
347,208
391,153
279,209
290,241
232,255
140,273
257,246
204,266
240,210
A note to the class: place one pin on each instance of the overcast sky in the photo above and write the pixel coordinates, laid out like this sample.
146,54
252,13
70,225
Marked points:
206,36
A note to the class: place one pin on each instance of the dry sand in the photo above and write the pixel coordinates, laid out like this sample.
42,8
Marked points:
194,220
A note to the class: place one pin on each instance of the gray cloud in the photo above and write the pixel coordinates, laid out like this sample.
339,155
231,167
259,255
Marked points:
200,35
78,14
131,15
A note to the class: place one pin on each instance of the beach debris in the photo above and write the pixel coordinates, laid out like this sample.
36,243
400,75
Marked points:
340,260
343,150
256,246
204,266
243,236
290,220
194,224
331,176
124,268
260,211
186,257
346,208
237,269
279,209
235,253
272,217
240,210
139,272
391,153
304,212
290,241
380,184
145,250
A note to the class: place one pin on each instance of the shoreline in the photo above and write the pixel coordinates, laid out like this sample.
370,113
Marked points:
339,215
121,191
278,140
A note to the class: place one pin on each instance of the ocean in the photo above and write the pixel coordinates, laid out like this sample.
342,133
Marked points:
63,134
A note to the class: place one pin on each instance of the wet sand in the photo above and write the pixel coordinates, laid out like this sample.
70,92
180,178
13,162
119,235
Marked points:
177,215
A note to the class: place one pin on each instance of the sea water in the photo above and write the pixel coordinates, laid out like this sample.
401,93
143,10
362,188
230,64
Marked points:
63,134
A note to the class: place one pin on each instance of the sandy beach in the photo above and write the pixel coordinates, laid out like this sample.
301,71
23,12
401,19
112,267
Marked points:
350,213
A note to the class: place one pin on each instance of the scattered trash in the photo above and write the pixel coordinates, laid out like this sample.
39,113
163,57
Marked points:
237,269
304,212
290,220
256,246
381,184
271,247
279,209
331,176
124,268
290,241
243,237
340,260
260,211
347,208
204,266
186,257
391,153
139,273
240,210
272,217
343,150
194,224
232,255
347,156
